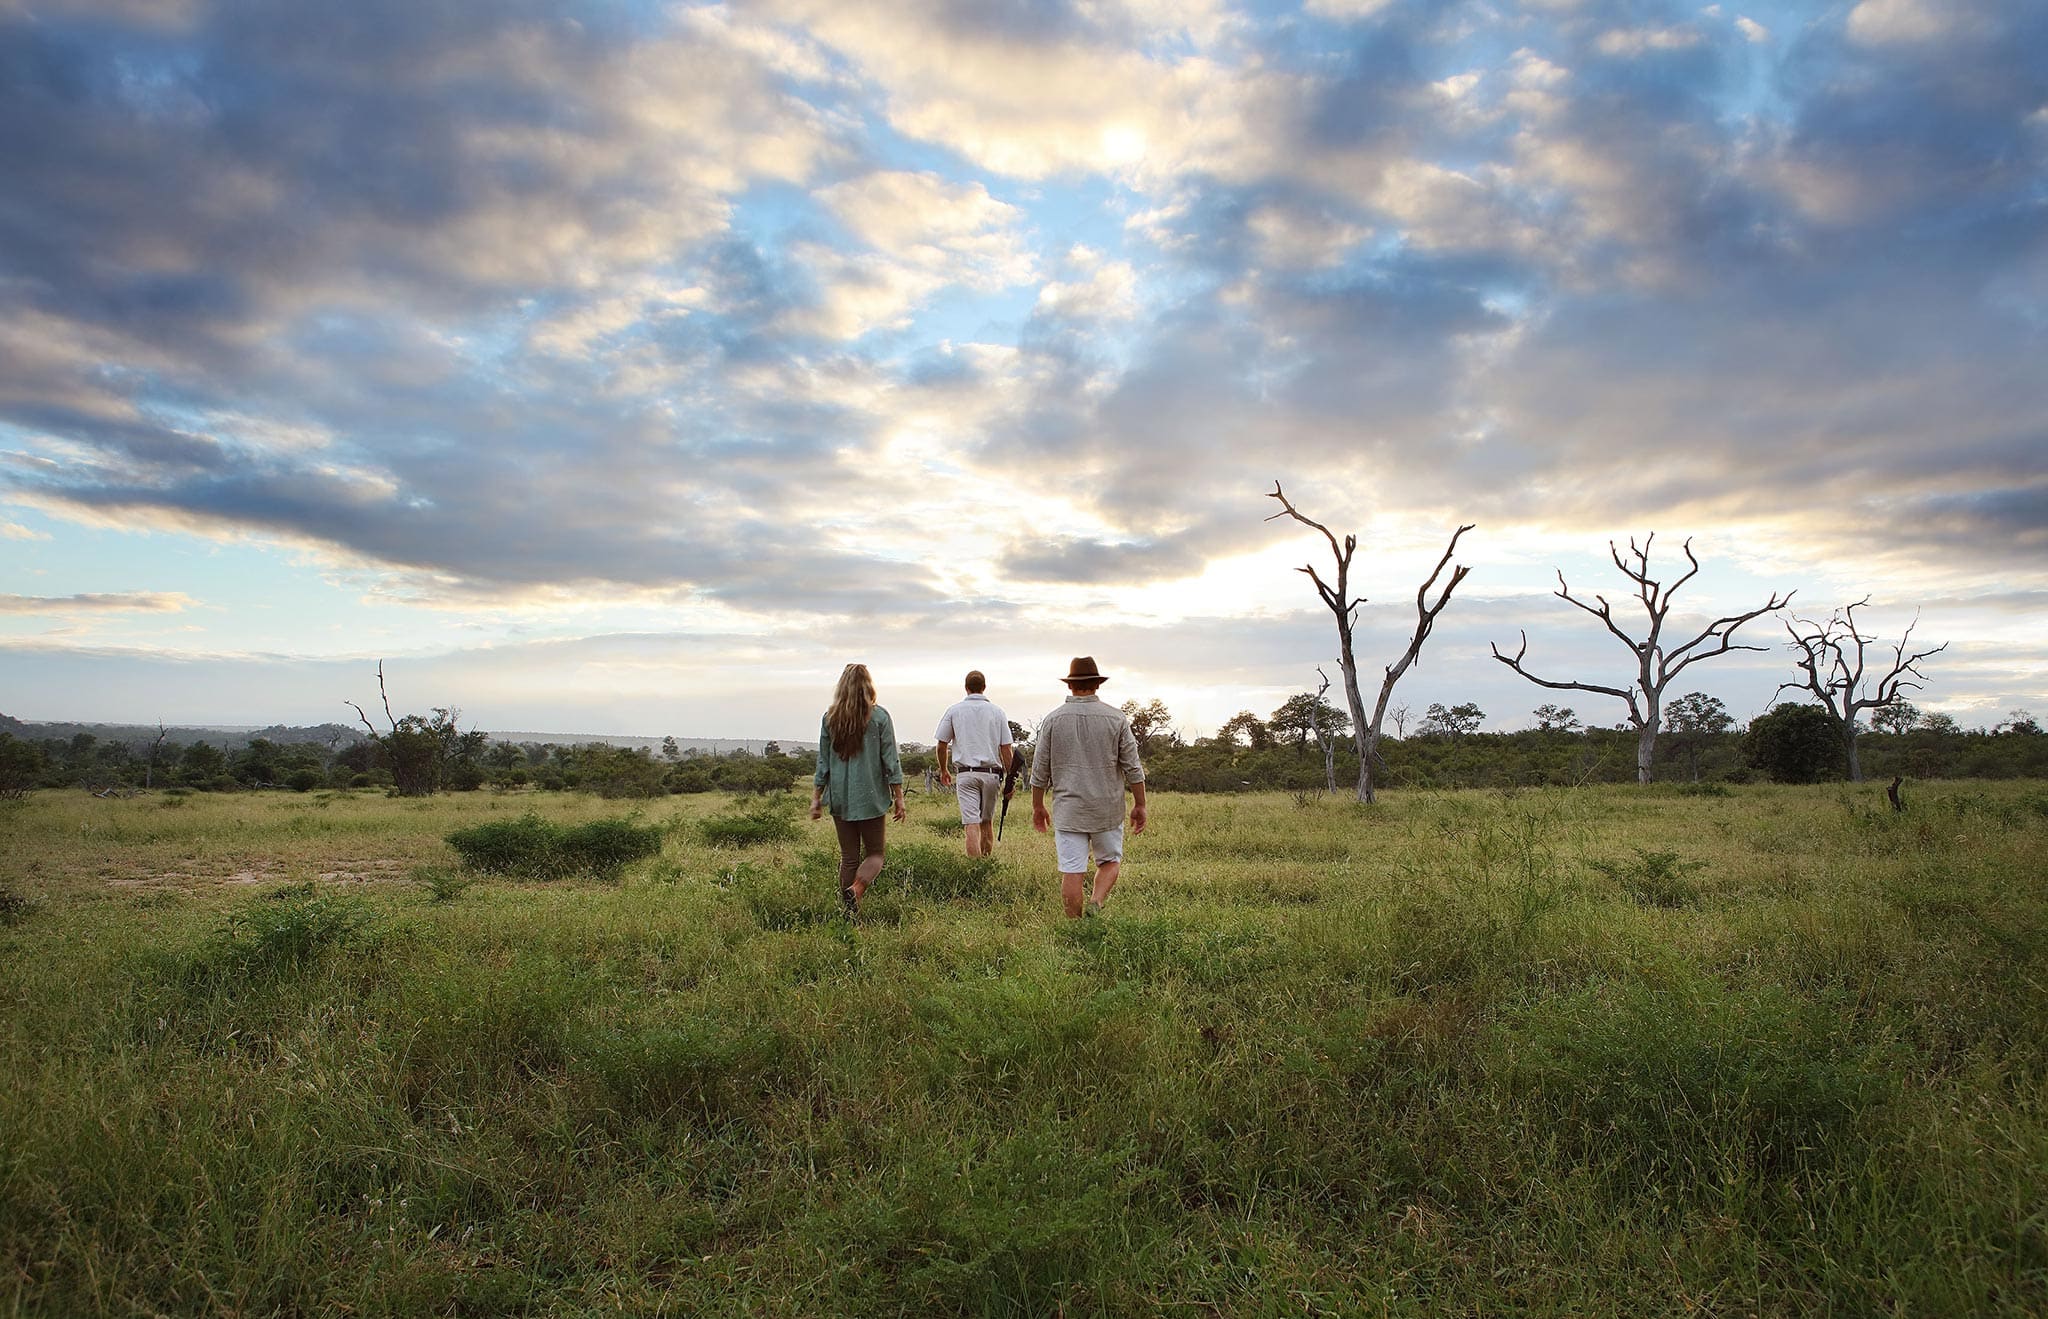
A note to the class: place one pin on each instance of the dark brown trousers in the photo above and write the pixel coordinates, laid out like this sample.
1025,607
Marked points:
857,839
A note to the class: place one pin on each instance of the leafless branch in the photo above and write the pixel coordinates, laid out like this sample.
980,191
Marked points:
386,695
365,718
1515,662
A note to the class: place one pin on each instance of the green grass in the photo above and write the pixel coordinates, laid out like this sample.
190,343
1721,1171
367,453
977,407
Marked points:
1552,1052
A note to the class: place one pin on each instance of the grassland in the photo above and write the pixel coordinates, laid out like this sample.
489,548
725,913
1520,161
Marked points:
1605,1051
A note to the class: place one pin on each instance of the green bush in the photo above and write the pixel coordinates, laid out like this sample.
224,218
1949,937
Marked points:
1794,743
606,847
283,931
531,848
770,820
304,780
441,883
1654,879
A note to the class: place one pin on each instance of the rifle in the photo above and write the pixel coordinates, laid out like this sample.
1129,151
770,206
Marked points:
1010,786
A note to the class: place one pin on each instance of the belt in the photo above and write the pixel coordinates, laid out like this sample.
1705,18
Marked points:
977,769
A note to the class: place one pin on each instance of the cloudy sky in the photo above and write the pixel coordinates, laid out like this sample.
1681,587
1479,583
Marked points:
631,367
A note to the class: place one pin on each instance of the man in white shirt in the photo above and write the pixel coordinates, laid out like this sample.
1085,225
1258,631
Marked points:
975,743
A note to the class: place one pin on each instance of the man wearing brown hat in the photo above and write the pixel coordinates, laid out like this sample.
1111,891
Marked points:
1087,755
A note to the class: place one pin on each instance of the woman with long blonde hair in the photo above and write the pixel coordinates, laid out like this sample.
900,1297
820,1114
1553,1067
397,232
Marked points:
859,777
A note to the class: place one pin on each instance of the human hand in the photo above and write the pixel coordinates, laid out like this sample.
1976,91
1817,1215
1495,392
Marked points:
1137,819
946,778
1041,819
817,809
900,814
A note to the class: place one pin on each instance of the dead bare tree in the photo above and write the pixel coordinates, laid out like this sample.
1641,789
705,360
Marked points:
1656,667
1326,741
415,748
1830,664
149,772
1344,607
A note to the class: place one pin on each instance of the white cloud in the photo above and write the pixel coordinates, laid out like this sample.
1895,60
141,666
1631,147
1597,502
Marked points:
15,531
1630,42
924,233
1346,8
146,602
1098,289
1301,238
1752,31
1908,22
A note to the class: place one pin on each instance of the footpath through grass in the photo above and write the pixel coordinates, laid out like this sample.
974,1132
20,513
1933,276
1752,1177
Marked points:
1606,1051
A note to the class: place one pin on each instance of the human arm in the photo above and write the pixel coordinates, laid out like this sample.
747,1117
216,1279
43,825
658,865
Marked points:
892,761
1138,815
1041,819
945,755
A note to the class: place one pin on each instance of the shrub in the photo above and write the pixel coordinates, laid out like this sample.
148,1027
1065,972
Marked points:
304,780
606,847
1794,743
1653,879
527,846
286,930
441,883
769,820
531,848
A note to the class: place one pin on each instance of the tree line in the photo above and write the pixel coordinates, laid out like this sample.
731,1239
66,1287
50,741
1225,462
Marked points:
1305,745
419,756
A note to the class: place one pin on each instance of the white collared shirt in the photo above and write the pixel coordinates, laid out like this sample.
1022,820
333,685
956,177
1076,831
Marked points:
975,727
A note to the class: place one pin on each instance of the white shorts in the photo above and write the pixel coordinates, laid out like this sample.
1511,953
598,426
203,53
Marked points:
1073,848
978,792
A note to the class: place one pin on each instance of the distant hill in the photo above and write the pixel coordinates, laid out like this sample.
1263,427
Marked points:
226,737
233,737
713,745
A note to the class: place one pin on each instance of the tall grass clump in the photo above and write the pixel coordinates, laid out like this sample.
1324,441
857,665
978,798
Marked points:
532,848
282,932
1653,879
1688,1090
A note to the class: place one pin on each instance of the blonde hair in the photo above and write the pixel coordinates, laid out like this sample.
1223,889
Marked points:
853,700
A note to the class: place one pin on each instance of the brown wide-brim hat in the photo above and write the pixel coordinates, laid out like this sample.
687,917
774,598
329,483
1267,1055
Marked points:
1083,669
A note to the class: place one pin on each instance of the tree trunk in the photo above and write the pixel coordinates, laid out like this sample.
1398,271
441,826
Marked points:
1849,749
1347,661
1646,751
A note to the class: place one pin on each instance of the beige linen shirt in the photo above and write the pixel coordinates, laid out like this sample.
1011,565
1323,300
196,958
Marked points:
1086,754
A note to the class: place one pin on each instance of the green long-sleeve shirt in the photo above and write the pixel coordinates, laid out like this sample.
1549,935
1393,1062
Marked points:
858,789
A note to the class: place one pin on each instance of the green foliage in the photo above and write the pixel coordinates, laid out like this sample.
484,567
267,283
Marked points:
441,883
1459,720
532,848
21,766
1653,879
768,820
282,932
1794,743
